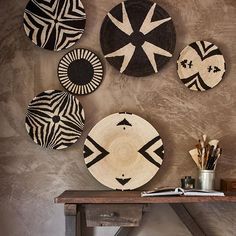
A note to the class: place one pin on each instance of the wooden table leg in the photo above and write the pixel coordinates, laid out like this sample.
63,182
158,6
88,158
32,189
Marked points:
81,222
71,213
183,213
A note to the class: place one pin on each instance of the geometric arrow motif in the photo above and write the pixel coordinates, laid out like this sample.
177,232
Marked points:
87,152
201,66
98,150
197,81
128,51
159,151
205,49
123,181
124,122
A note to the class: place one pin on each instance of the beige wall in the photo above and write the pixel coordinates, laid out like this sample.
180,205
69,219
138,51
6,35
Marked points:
30,177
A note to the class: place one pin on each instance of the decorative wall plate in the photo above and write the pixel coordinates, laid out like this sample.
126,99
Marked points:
80,71
123,151
55,119
138,37
201,66
54,24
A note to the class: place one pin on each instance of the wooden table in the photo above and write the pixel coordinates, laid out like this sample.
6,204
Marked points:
124,209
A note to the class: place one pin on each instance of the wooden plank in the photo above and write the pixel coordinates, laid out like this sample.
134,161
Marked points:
81,222
70,226
131,197
187,219
125,215
123,231
70,211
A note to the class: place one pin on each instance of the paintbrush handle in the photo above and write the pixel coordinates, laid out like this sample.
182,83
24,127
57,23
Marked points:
211,166
210,157
217,158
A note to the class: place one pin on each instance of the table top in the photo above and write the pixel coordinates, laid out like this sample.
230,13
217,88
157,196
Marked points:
106,197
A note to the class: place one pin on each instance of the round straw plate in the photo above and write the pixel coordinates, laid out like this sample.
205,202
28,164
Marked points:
138,37
54,24
201,66
123,151
80,71
55,119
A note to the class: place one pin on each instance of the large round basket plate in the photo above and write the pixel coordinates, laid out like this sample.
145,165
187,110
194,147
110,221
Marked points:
55,119
80,71
123,151
54,24
201,66
138,37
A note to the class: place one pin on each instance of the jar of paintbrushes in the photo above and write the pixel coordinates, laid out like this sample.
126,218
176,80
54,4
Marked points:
205,155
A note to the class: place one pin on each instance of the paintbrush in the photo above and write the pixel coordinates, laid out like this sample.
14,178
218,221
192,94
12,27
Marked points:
203,157
202,144
207,155
194,155
198,149
214,142
211,158
218,156
214,156
204,137
198,146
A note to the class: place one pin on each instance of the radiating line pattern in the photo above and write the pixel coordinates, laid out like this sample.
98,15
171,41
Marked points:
149,48
54,24
140,39
55,119
201,66
87,79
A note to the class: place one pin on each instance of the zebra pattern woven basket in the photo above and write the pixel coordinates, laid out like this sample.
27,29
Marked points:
54,24
55,119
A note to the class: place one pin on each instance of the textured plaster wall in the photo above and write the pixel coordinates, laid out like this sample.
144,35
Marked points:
30,176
